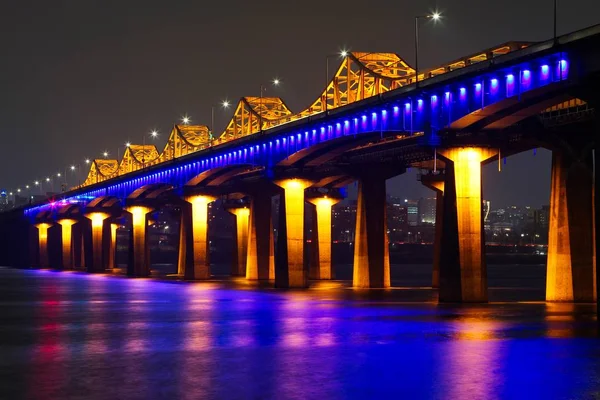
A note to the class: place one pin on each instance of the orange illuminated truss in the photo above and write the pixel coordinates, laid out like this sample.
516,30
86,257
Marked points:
359,76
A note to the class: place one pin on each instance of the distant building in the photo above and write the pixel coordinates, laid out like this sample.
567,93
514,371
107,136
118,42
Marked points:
517,225
412,211
541,218
343,220
486,209
397,220
426,207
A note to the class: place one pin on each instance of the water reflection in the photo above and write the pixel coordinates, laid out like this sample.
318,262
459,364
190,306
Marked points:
472,364
49,349
76,335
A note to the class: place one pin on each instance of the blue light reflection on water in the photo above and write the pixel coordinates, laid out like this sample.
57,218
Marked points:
69,334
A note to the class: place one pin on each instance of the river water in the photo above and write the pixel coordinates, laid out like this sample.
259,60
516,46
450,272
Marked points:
67,335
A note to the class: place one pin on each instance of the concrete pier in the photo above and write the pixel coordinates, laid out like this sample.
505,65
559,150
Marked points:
320,266
260,260
571,272
139,252
290,270
463,272
371,249
67,242
242,214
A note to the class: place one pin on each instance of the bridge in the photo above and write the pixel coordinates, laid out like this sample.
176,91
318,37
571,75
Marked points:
373,121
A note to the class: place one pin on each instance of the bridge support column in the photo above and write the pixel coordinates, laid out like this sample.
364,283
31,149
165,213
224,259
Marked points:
260,260
43,244
138,245
199,233
112,248
97,259
463,272
596,224
371,247
67,242
571,272
436,183
320,268
185,259
242,215
290,271
78,247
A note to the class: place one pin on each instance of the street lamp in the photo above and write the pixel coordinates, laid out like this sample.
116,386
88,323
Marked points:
435,16
51,182
59,175
225,105
275,82
342,54
74,171
153,134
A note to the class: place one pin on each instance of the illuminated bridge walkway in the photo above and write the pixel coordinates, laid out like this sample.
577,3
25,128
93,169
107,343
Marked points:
371,123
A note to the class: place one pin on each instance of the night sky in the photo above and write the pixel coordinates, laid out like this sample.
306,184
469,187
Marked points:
81,77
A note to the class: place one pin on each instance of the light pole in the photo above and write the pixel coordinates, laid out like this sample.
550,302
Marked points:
74,171
224,105
87,162
342,54
555,12
275,82
433,16
58,176
153,134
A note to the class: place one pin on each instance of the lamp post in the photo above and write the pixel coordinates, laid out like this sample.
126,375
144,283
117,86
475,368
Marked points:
224,105
74,171
342,54
153,134
433,16
555,12
275,82
58,176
